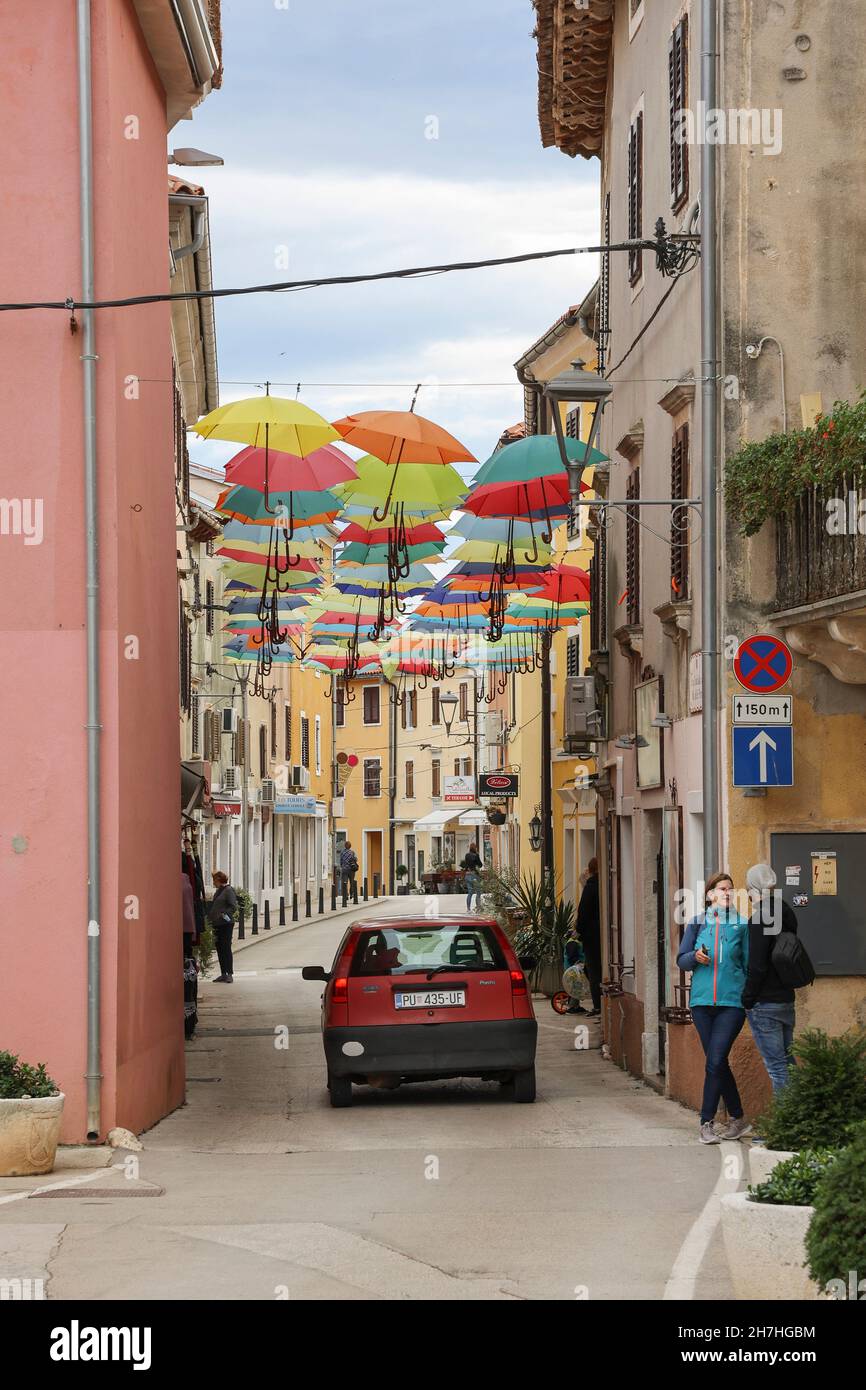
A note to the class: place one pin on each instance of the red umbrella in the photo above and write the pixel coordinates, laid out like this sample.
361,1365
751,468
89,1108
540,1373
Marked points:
381,535
564,584
289,473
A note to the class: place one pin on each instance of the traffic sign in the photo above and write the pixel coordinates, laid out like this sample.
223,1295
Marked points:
763,757
762,709
763,664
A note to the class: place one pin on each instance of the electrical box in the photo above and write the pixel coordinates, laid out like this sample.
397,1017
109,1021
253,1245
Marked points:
822,876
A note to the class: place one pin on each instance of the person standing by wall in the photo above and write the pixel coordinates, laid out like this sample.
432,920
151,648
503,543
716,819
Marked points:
348,868
471,866
588,927
715,948
221,915
767,999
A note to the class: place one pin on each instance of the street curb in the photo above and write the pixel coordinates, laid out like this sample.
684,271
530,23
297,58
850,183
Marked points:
340,914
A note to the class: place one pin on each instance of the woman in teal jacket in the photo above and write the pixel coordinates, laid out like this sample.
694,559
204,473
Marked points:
715,948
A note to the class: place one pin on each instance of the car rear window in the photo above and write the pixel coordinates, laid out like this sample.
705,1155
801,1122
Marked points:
408,950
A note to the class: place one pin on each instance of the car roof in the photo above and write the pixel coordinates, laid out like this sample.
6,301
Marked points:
453,920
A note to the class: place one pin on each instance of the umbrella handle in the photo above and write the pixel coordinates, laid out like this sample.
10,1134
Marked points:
380,516
530,558
272,511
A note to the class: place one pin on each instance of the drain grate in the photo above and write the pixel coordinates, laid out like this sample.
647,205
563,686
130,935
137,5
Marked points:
91,1192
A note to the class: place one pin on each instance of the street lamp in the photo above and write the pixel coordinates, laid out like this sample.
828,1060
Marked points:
448,705
535,832
580,387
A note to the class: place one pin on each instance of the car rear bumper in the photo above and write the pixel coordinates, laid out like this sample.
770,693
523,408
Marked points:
433,1049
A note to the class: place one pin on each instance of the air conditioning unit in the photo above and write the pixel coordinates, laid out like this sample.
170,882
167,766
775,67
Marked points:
268,793
300,778
229,722
232,777
582,716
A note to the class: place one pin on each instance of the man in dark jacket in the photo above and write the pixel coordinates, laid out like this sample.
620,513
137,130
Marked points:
221,915
769,1003
588,928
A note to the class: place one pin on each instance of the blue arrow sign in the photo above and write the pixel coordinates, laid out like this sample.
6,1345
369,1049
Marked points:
763,756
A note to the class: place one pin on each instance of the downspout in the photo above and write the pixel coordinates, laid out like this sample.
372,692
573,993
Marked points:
709,447
93,1075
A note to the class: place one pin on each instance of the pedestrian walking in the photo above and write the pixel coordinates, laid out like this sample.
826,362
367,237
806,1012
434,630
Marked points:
348,868
221,915
471,866
768,996
588,928
715,948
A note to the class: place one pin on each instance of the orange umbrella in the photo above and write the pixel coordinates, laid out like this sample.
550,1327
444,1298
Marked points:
401,436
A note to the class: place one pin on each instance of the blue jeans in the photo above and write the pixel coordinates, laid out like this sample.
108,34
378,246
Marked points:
473,885
772,1028
718,1026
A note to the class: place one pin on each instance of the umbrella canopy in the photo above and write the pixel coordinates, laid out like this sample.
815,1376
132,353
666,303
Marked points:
401,436
356,554
536,456
293,509
268,421
290,472
366,531
378,486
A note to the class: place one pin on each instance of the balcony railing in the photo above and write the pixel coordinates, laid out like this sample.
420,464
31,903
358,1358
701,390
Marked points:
813,562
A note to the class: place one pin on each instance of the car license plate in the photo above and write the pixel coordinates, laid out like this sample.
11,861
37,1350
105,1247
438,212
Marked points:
431,999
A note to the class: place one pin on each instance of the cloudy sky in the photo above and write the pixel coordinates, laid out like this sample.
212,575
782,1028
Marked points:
324,121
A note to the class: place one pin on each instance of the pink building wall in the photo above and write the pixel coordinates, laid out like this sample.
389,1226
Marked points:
43,862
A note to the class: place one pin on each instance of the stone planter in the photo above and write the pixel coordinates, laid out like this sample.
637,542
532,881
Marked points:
762,1161
764,1244
29,1131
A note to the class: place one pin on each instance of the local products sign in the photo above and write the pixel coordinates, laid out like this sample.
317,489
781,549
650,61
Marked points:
498,784
458,789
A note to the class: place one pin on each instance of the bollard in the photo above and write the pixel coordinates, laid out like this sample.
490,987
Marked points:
354,892
375,885
365,891
308,904
282,911
240,924
255,919
333,897
267,915
294,907
345,895
321,902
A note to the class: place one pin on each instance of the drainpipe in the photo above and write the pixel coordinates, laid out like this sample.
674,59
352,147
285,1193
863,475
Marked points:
709,449
93,1075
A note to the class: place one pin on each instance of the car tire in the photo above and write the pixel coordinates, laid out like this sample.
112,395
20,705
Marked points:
340,1091
524,1086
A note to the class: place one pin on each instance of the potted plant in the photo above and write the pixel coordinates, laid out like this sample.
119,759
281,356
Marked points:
31,1108
764,1229
402,872
836,1238
825,1096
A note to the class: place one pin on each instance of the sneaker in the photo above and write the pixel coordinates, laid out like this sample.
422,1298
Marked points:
708,1134
218,980
736,1128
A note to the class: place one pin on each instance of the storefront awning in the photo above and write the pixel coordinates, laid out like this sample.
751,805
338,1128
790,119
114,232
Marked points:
478,817
445,815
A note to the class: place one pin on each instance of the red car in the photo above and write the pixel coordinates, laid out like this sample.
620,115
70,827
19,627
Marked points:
419,999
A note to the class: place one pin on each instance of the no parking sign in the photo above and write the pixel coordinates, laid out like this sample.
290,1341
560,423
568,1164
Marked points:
763,664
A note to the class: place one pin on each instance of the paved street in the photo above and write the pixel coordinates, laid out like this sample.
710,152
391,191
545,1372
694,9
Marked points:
256,1189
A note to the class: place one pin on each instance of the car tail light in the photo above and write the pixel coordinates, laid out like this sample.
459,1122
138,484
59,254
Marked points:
518,982
340,992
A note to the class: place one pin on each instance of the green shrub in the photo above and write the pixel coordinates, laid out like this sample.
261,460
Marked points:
245,905
794,1181
18,1081
836,1239
825,1096
204,949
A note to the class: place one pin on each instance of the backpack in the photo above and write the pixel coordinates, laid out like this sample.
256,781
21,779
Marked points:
791,962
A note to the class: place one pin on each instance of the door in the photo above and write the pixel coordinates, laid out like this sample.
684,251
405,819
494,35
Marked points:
410,858
669,874
373,859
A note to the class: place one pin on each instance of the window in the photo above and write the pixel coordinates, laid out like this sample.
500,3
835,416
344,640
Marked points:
435,778
408,950
466,768
603,311
287,712
680,516
371,704
410,780
305,741
274,727
464,702
409,710
318,743
340,705
678,100
372,777
632,550
635,196
456,767
598,593
635,16
196,726
209,600
436,715
263,750
572,656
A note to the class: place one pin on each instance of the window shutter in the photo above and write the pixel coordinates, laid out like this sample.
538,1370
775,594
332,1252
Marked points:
680,516
632,550
436,716
209,598
196,727
572,656
305,740
436,778
273,728
603,312
288,733
678,96
635,196
263,750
